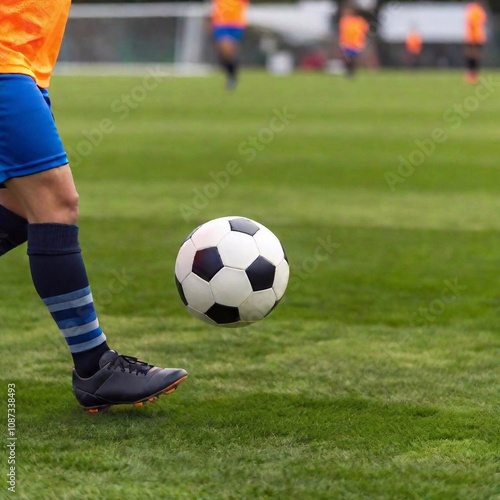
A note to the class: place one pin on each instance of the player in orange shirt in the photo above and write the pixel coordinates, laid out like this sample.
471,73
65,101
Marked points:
39,204
228,24
475,37
353,29
413,46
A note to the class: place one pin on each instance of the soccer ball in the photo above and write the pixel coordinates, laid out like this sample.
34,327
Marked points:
231,271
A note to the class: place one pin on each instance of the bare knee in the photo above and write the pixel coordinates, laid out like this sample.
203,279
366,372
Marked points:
66,211
59,207
227,49
49,196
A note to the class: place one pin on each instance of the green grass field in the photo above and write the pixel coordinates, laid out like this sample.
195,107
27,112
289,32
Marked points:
376,377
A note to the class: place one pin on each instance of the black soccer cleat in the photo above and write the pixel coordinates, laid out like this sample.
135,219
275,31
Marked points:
124,380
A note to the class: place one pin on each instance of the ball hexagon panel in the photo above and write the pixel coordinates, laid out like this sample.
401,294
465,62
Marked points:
198,293
185,258
210,233
269,246
207,263
237,250
230,287
223,314
243,225
257,305
202,316
281,279
261,274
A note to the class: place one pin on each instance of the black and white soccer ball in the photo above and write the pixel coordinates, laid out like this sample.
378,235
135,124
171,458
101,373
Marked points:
231,271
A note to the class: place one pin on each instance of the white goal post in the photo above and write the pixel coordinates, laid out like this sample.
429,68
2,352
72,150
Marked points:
121,37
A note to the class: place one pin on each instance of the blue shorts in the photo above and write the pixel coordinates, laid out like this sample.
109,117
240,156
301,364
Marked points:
29,141
350,52
231,32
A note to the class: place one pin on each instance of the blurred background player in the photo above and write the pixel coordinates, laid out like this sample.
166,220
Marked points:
475,38
39,204
413,45
228,24
353,29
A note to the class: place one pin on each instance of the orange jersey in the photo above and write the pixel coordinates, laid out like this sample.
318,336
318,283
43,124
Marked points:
31,33
230,13
475,28
414,43
352,32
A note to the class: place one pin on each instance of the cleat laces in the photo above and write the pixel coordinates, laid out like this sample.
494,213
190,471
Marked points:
131,364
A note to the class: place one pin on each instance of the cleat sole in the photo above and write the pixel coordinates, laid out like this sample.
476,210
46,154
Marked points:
98,409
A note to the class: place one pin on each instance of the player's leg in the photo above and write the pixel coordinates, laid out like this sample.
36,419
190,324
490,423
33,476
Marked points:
350,66
50,202
349,55
41,189
478,52
227,50
473,55
350,63
227,42
13,223
33,166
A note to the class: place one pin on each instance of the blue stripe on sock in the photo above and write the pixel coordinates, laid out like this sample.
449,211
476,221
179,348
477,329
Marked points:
75,316
77,294
76,321
79,339
73,331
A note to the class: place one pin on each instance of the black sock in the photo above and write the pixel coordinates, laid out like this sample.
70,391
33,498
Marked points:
350,67
231,68
60,278
472,64
13,230
87,362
